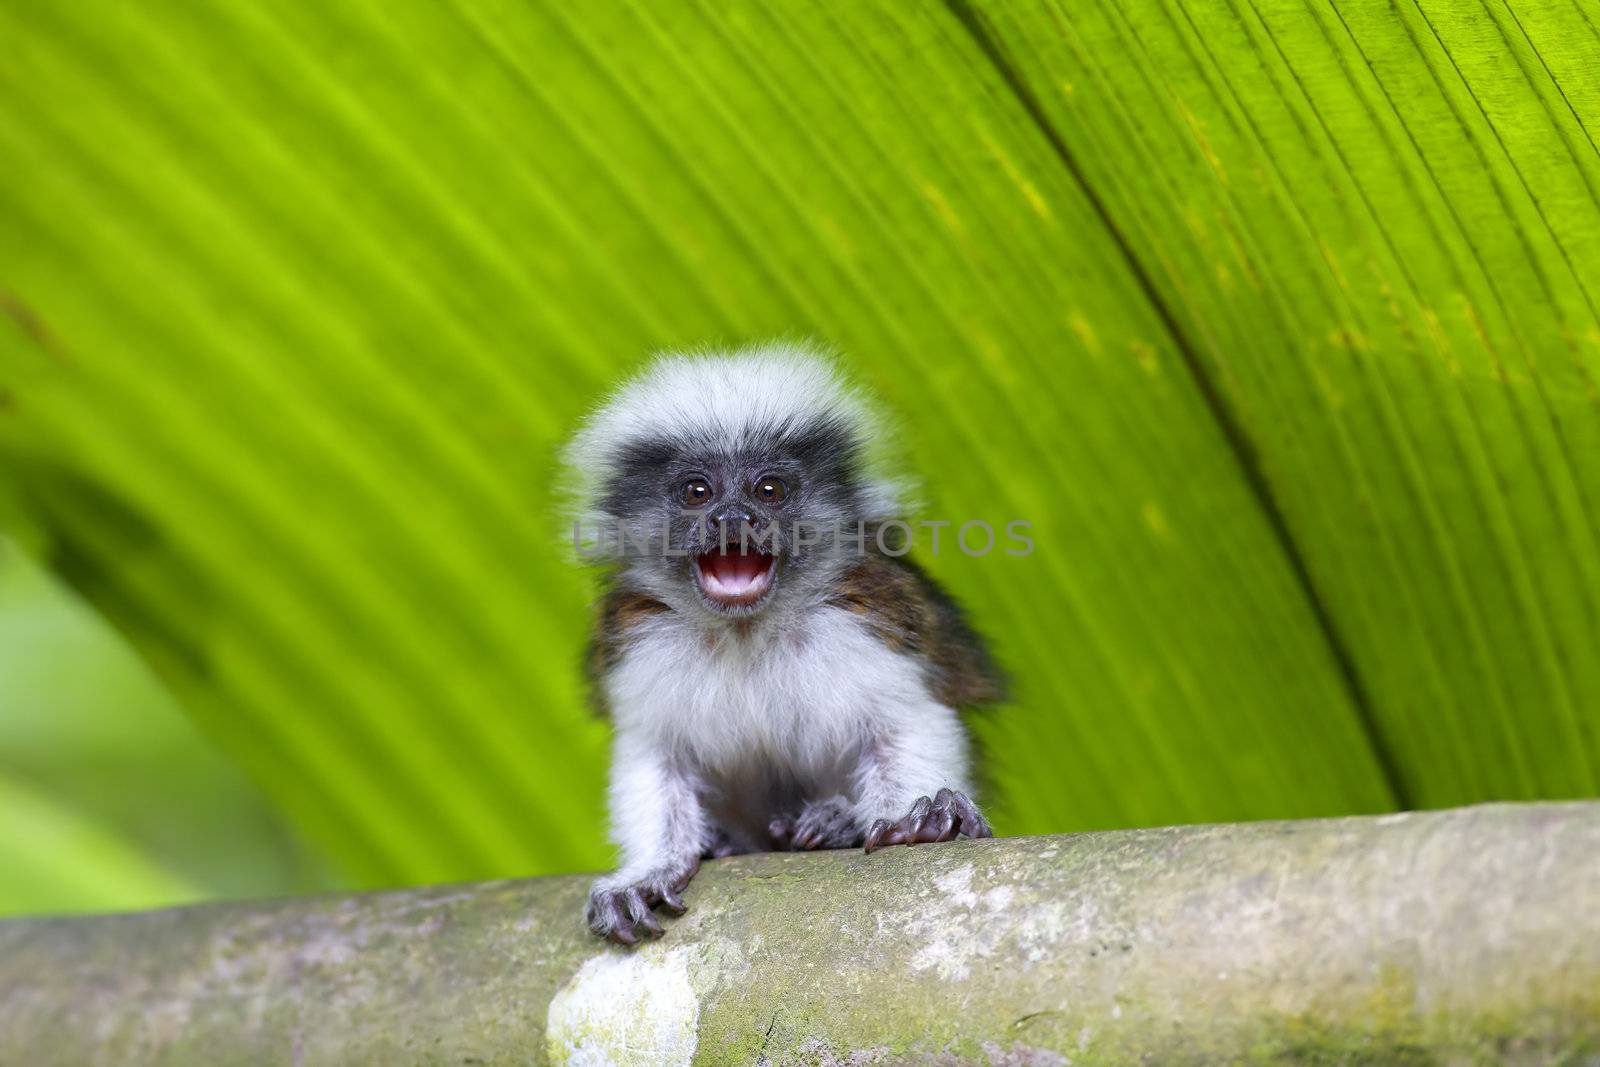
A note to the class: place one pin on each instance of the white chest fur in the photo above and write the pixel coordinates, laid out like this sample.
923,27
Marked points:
794,699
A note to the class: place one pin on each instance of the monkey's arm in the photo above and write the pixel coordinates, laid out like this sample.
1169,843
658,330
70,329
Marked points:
912,784
660,823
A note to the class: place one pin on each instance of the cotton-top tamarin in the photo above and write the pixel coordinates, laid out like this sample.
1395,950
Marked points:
776,677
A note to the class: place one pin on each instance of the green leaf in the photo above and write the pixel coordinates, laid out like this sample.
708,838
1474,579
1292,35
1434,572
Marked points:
83,723
1271,322
58,861
1375,228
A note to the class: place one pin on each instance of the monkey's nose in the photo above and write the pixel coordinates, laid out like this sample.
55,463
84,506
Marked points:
729,519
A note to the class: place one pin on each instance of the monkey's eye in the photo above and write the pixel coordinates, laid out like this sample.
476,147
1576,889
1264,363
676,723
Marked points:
771,490
696,492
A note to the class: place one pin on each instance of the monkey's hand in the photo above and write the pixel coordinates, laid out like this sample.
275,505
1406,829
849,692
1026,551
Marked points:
944,817
625,913
722,845
827,823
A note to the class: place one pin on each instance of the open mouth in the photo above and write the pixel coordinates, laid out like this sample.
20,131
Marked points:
736,577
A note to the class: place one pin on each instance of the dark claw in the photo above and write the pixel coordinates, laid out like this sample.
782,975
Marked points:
606,919
916,820
939,827
825,823
943,817
625,915
639,911
972,822
681,882
721,845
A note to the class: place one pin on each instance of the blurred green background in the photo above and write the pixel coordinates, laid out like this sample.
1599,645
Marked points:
1276,320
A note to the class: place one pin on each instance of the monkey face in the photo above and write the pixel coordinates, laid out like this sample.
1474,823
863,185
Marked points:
731,484
733,531
733,563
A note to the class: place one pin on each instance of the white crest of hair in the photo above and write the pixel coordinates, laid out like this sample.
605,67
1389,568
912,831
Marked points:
734,398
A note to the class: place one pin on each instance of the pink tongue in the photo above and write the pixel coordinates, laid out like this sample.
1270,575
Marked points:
735,573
